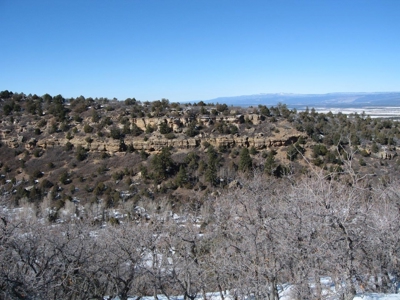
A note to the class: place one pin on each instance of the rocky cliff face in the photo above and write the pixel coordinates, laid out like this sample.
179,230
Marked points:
177,123
156,141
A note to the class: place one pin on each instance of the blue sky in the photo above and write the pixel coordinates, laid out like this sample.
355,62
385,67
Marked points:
198,49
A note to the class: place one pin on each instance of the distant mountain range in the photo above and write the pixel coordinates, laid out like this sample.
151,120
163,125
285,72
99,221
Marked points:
314,100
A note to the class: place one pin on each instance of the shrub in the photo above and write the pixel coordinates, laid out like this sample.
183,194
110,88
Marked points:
116,133
37,174
317,161
81,153
7,108
95,116
170,135
149,128
87,128
118,176
192,130
46,184
143,154
221,107
206,144
69,136
319,149
253,150
135,131
365,153
68,146
37,153
77,118
42,123
374,148
104,155
64,178
102,169
293,151
164,128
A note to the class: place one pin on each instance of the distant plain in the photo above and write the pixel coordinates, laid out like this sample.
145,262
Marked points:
375,105
372,111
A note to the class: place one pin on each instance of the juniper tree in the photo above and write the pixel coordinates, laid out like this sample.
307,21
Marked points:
212,165
162,165
245,161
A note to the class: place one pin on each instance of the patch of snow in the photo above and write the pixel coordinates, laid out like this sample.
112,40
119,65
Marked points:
374,296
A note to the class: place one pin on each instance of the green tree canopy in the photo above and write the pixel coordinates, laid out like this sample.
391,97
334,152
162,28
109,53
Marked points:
245,161
162,165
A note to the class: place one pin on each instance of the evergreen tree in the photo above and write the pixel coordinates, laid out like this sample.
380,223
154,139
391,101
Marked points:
374,148
211,171
162,165
81,153
294,150
95,116
192,129
245,162
264,110
164,128
269,165
181,177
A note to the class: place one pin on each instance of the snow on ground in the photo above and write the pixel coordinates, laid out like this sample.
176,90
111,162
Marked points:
216,296
328,290
377,297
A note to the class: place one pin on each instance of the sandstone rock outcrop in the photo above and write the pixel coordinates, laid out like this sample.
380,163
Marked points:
156,144
155,141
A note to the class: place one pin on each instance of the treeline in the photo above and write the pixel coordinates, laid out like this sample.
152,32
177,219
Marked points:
325,128
265,236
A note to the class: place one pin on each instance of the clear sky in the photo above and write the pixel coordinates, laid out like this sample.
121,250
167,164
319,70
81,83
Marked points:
198,49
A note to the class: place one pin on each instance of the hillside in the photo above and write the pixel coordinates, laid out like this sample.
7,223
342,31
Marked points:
98,150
